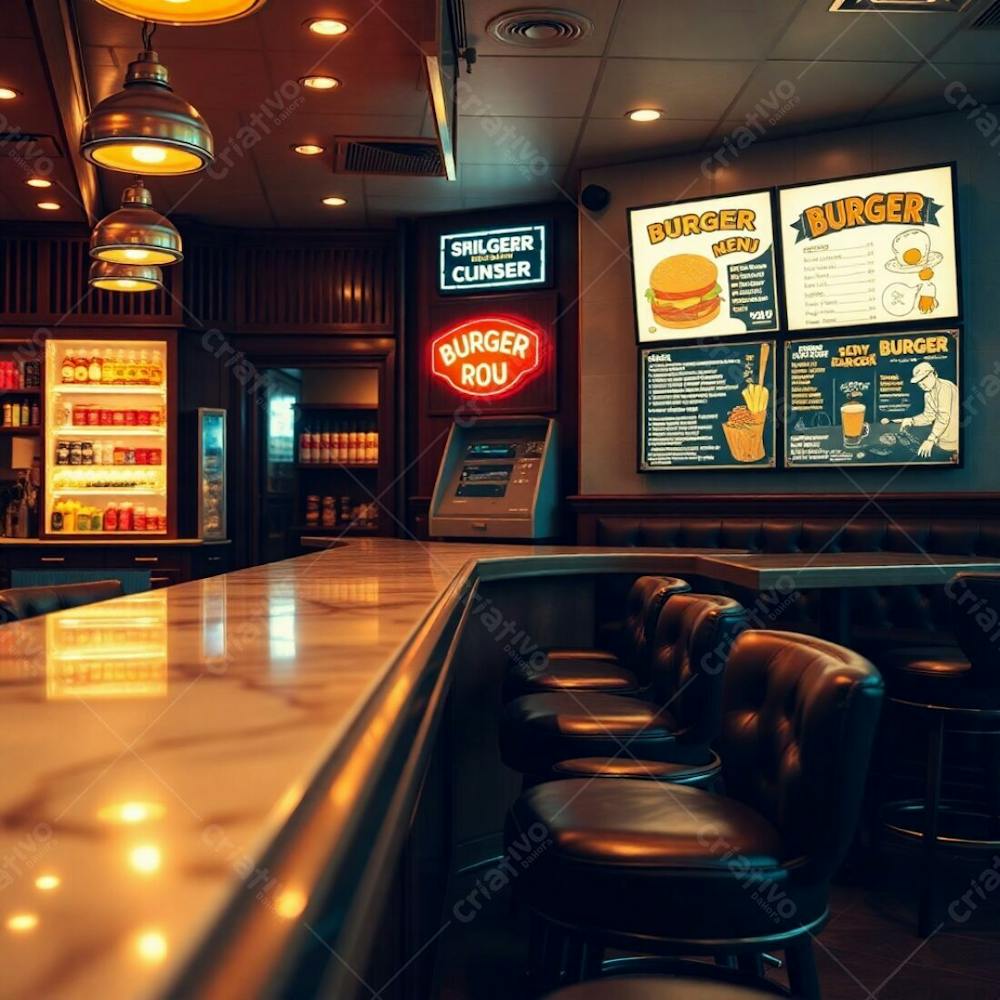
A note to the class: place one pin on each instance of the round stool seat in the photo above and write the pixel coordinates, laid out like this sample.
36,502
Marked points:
660,988
935,675
625,766
577,673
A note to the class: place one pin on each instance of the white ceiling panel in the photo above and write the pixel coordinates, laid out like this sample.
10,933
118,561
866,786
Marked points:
525,86
516,141
618,140
697,90
816,33
700,29
940,87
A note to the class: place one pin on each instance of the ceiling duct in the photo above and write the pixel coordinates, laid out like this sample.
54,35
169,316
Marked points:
540,27
898,6
989,20
395,157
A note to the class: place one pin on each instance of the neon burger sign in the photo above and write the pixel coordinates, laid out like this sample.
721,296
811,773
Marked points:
486,357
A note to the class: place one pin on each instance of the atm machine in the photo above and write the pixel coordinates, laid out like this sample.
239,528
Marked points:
498,479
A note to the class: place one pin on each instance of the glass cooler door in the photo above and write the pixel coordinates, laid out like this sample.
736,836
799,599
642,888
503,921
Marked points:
211,473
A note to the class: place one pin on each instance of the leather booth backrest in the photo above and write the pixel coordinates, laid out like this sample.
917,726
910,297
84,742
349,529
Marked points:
799,717
19,603
691,645
975,620
876,610
645,600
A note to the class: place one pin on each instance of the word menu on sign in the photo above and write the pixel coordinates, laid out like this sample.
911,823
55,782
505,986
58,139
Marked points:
873,400
704,268
879,249
707,407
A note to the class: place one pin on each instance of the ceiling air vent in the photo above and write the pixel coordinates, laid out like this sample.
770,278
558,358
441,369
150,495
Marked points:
899,6
398,157
540,27
989,20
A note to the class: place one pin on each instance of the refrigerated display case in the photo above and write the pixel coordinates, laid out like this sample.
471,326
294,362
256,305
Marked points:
211,473
109,438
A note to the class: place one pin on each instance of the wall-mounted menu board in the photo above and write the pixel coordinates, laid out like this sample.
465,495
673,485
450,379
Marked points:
707,407
871,250
863,399
704,268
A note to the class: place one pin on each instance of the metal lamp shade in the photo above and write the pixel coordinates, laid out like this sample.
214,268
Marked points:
125,277
183,12
135,233
146,128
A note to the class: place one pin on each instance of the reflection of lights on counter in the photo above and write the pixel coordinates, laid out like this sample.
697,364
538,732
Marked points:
22,923
131,812
290,903
48,882
145,858
151,946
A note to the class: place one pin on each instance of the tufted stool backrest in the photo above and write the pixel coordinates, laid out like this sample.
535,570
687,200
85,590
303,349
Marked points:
799,717
646,598
974,604
690,647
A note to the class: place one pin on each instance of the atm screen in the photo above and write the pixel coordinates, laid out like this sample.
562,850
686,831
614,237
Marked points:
484,480
491,449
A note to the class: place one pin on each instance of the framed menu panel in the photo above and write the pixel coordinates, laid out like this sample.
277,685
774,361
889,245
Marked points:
707,407
870,399
878,249
704,268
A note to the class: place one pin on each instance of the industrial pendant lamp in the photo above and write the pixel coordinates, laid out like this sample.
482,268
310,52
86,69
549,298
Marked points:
135,233
125,277
182,12
145,126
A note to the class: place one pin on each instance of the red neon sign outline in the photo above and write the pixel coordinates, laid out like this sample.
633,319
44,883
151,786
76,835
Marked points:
519,326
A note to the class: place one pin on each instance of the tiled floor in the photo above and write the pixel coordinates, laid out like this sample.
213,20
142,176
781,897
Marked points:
869,949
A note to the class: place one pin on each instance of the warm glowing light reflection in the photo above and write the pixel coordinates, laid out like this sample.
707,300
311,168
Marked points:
335,201
151,159
290,903
131,812
49,206
151,946
8,94
48,882
38,182
22,923
327,26
145,859
308,149
645,115
320,82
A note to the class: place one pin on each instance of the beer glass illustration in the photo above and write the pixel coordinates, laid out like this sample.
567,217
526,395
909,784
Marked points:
852,422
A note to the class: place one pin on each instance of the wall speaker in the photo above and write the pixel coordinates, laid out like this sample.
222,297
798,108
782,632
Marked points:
595,198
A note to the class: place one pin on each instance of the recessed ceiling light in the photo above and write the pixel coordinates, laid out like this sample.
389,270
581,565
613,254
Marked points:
335,201
327,26
38,182
185,11
645,114
50,206
9,94
320,82
308,149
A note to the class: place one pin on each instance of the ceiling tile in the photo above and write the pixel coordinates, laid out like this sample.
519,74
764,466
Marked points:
696,29
479,12
698,90
484,179
970,47
785,94
818,33
940,87
523,86
16,20
526,141
618,140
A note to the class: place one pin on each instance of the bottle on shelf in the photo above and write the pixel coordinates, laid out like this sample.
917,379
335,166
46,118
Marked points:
81,367
94,368
67,374
142,371
305,446
156,368
325,452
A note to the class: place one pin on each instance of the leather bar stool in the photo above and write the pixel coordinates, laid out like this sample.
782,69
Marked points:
675,723
18,603
669,870
621,672
664,988
950,693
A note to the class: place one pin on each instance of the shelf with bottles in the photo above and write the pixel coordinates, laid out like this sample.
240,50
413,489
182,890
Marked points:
128,366
105,453
19,413
340,512
20,376
72,517
337,443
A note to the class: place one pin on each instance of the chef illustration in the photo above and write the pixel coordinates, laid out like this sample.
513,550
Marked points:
940,410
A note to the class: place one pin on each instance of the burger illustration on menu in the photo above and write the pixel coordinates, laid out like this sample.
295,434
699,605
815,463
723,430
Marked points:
706,266
684,291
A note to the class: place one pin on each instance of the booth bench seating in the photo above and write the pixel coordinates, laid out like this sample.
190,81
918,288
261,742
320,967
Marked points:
883,618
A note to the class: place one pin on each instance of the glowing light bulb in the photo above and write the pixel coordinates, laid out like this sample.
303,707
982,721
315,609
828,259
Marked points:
136,255
327,26
48,882
320,82
645,115
38,182
148,154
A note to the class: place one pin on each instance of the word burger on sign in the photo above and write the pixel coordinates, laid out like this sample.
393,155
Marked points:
486,357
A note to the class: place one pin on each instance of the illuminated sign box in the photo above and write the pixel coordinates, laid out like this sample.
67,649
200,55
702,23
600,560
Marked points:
490,260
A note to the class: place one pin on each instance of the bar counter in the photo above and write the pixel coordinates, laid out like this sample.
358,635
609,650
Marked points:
189,772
